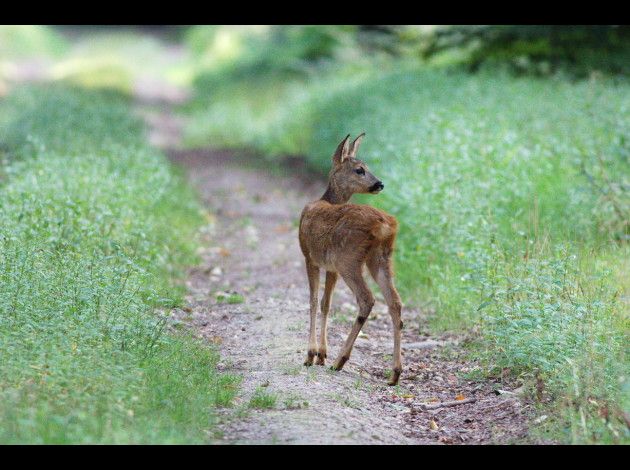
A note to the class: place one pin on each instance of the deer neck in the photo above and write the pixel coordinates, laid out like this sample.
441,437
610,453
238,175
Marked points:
335,195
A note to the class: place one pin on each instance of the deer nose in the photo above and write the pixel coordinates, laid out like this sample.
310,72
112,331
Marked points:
378,186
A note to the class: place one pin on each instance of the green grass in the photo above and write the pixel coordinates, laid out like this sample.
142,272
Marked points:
33,44
95,227
262,399
121,61
513,202
230,298
108,58
30,41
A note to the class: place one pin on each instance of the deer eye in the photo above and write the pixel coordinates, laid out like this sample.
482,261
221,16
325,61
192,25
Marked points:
359,171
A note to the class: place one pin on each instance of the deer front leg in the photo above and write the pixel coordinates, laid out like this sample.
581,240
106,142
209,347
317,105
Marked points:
331,280
312,272
365,299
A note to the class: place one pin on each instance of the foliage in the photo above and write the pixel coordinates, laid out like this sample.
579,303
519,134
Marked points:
258,51
27,43
95,226
30,41
91,57
119,60
556,320
261,57
539,49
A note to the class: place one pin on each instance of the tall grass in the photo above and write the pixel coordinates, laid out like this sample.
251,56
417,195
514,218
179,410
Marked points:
513,200
94,228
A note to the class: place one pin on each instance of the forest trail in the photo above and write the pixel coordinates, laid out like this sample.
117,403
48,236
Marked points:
249,297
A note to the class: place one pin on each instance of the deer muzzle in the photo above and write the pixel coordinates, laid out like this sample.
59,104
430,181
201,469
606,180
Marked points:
377,187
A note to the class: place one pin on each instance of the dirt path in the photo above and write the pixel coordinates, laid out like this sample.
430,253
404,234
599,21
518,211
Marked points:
253,255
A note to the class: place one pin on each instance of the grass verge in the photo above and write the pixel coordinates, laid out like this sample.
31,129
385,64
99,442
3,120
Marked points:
94,228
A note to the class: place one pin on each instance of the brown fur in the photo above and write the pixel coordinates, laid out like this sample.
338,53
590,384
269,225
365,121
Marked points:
342,238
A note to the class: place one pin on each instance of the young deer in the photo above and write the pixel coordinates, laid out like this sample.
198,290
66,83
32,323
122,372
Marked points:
342,238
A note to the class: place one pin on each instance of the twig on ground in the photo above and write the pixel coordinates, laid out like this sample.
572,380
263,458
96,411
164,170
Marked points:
444,404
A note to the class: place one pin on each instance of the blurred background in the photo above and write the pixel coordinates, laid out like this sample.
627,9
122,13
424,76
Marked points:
113,56
505,150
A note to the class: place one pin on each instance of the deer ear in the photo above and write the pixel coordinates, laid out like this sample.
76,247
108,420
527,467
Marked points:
354,147
342,151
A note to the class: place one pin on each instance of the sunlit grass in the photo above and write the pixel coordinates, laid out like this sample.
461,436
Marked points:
30,41
117,60
91,58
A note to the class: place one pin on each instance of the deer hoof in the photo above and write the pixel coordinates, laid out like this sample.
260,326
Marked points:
321,359
395,376
339,363
309,358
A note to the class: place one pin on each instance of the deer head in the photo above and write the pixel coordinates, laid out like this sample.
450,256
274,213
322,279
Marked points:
349,175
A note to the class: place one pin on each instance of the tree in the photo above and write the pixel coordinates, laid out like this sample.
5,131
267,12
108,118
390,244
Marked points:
538,48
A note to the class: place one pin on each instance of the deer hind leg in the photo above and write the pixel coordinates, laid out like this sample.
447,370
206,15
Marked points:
331,280
365,300
313,283
380,266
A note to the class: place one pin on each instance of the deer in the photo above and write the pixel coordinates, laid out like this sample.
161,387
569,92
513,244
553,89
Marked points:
342,239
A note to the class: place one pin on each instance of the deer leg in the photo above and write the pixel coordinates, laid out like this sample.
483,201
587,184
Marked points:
381,270
313,283
365,300
331,280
